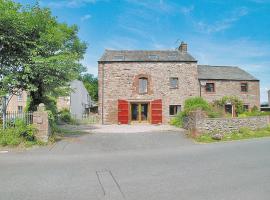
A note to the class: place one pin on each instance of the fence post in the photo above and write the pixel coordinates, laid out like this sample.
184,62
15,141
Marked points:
41,122
4,110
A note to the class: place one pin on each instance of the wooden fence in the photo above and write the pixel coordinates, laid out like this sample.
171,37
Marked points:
9,119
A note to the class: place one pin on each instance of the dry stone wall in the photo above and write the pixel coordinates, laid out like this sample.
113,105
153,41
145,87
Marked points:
199,124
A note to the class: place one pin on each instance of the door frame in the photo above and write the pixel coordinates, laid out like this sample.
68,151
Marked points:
139,112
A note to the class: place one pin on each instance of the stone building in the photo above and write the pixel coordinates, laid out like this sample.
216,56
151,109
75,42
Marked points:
151,86
17,103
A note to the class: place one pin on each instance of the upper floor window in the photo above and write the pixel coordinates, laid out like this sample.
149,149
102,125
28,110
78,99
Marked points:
20,97
173,82
244,87
210,87
118,58
154,57
143,85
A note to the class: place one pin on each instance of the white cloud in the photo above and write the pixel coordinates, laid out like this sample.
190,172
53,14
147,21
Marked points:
223,24
186,10
86,17
70,3
158,6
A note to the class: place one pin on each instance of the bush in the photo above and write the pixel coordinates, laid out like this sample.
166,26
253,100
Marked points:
20,133
254,114
195,103
178,119
190,105
233,100
65,116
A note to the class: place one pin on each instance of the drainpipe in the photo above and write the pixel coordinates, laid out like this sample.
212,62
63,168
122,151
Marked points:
200,88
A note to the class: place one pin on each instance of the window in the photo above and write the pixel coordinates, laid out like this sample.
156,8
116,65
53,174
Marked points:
143,85
246,108
20,109
174,82
244,87
210,87
154,57
20,97
174,109
118,58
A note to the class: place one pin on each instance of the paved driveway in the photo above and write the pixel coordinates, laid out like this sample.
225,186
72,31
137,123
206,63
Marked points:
148,166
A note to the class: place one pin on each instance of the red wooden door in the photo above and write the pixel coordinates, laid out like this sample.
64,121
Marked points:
123,112
156,111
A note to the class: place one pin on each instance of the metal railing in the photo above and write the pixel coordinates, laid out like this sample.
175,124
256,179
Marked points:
10,118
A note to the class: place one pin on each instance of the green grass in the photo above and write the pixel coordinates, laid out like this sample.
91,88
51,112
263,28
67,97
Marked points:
244,133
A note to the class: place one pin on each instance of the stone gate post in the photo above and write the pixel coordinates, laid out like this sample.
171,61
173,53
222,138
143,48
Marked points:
41,122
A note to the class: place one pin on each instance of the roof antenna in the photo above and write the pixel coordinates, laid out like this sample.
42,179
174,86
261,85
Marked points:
177,42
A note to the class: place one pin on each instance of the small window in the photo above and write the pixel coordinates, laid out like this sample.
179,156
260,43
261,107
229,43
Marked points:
175,109
172,57
118,58
20,97
174,82
246,108
143,85
244,87
210,87
154,57
20,109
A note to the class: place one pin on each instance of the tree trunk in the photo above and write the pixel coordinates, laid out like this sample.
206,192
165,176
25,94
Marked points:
36,97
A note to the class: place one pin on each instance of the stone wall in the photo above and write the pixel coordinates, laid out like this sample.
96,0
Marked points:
120,82
233,88
197,123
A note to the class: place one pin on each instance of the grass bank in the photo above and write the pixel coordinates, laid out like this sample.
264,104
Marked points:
244,133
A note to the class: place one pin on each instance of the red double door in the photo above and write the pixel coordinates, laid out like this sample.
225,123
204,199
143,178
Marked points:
124,116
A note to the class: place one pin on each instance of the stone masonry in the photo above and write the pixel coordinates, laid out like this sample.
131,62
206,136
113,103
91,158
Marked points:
233,88
119,79
197,123
41,122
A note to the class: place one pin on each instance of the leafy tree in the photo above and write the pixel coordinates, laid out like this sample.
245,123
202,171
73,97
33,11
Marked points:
91,84
48,51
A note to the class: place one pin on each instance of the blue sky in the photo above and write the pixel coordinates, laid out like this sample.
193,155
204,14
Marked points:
231,32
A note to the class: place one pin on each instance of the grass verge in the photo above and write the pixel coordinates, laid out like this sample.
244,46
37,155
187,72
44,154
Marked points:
244,133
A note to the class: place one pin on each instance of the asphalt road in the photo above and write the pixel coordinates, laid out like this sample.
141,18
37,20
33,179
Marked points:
141,166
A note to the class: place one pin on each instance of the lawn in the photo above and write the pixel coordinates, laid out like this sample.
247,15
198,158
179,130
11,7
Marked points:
244,133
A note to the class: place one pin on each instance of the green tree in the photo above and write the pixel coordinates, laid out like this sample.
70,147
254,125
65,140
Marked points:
48,52
91,84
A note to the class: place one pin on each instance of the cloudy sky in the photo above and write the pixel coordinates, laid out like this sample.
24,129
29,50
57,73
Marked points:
218,32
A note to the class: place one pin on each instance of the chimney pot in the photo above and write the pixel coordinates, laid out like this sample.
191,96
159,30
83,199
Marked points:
183,47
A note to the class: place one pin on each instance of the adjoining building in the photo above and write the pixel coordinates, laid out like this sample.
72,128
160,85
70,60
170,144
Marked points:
151,86
78,102
17,103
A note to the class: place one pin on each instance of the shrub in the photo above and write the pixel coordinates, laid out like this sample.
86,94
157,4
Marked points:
178,119
253,114
20,133
190,105
233,100
195,103
65,116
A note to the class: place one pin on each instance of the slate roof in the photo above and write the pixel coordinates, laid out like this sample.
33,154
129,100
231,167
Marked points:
223,73
146,56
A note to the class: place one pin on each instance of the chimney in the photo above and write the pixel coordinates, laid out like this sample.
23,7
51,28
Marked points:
183,47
